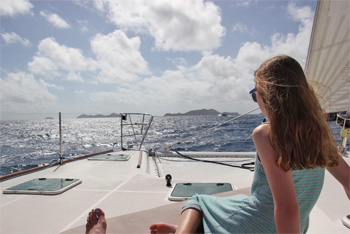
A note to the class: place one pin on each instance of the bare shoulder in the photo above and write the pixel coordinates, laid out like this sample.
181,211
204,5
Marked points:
261,138
261,132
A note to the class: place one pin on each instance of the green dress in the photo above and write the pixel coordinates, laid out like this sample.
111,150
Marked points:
255,214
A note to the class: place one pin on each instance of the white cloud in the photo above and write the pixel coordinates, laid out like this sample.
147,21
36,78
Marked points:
43,66
99,4
53,60
111,97
252,54
52,86
74,76
64,57
118,57
215,81
300,14
175,25
12,37
22,92
55,19
15,7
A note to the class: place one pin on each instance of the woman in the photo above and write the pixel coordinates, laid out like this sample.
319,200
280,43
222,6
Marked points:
293,150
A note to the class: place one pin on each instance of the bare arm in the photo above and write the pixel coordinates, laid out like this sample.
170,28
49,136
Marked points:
281,183
342,174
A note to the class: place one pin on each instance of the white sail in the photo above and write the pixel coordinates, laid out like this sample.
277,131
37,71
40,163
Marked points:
328,61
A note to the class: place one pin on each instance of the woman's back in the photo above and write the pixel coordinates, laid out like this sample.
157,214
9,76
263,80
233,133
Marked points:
308,185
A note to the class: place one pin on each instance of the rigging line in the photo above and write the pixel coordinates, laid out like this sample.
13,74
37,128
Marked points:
245,140
242,166
227,161
167,148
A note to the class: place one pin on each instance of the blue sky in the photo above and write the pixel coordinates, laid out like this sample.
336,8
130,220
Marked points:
154,56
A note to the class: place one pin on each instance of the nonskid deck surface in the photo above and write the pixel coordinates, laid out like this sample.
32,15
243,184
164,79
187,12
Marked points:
325,217
118,187
330,208
123,190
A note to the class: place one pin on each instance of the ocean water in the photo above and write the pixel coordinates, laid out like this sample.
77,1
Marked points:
26,144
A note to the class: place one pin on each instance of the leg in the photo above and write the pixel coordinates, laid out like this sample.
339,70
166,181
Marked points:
96,222
190,222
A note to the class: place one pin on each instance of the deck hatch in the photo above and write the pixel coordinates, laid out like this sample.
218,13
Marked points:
183,191
43,186
114,156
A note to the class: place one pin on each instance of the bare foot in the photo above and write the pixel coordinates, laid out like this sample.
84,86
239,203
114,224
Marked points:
162,228
96,222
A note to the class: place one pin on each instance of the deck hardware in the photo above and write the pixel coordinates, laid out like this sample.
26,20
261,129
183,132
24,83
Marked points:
43,186
168,179
346,221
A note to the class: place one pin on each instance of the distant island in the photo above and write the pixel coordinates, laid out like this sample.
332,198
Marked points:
113,115
49,118
203,112
229,114
189,113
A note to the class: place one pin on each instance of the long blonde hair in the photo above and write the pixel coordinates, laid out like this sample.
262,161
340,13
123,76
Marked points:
298,129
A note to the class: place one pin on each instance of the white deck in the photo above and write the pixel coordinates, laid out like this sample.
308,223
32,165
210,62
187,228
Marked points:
120,189
332,205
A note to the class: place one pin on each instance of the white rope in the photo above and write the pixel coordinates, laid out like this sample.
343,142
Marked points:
167,148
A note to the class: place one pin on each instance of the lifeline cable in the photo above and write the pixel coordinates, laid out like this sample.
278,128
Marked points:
242,166
167,148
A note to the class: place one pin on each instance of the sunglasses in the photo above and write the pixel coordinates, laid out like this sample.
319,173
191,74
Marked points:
253,94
